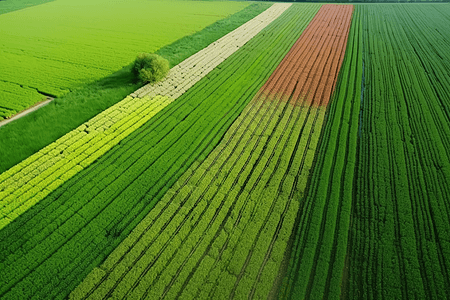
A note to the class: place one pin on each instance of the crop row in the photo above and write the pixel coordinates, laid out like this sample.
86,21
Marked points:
374,222
318,253
50,248
27,183
399,242
221,231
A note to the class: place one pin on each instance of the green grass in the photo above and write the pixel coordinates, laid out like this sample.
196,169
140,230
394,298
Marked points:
65,44
29,134
7,6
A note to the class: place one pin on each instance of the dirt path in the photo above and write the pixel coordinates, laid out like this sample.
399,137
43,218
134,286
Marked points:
27,111
307,77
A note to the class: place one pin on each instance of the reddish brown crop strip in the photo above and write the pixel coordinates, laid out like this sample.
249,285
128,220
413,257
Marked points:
310,69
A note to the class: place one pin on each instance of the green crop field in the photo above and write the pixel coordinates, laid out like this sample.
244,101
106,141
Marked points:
70,43
375,219
294,151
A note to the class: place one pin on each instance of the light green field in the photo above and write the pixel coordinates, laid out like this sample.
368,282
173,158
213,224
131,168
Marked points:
57,46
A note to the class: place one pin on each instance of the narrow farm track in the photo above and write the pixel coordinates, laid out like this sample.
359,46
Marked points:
32,180
400,246
52,246
221,231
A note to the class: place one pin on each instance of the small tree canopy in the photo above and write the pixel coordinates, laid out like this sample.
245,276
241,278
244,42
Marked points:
149,67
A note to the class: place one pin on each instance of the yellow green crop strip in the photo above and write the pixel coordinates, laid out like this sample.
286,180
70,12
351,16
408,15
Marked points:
27,183
55,164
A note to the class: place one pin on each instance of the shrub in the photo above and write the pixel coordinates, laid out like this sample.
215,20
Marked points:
149,67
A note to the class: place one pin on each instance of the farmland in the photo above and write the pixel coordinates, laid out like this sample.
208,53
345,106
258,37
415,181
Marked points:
408,156
302,155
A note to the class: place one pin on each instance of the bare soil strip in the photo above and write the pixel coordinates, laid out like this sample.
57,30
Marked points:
311,67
